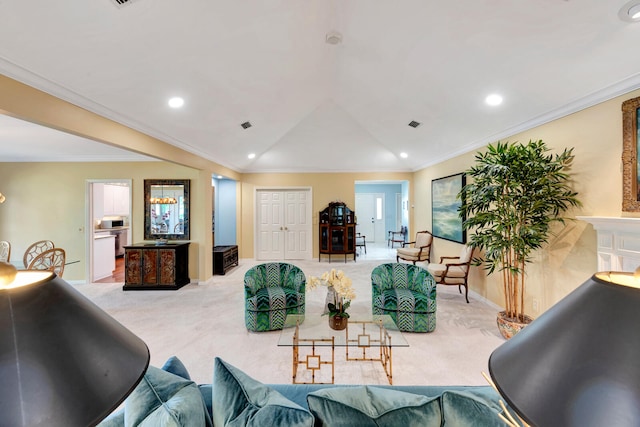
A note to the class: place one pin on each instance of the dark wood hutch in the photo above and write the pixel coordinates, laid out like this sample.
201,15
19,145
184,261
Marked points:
337,231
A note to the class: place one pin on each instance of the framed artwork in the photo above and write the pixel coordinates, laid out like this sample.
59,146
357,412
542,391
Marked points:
630,142
446,222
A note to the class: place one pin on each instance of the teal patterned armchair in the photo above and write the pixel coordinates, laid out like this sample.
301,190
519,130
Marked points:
407,293
272,290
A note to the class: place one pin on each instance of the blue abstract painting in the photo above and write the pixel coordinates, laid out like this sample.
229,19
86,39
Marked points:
445,204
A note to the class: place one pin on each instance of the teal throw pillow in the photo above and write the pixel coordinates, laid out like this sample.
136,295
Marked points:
239,400
471,408
164,399
176,367
373,406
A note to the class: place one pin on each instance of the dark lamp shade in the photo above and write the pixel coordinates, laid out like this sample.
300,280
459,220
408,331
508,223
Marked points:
63,361
578,364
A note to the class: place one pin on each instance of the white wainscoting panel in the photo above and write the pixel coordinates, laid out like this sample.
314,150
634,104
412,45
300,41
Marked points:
618,242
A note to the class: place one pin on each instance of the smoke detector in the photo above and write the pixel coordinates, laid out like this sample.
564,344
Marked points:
333,37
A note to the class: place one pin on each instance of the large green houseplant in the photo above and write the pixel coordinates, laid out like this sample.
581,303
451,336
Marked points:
514,194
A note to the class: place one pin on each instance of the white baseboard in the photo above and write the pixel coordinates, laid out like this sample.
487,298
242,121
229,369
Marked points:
484,300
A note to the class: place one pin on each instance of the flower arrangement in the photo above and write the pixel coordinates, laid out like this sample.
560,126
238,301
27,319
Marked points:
341,288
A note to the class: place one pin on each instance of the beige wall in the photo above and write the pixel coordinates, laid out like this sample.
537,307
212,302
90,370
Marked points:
326,187
48,201
570,258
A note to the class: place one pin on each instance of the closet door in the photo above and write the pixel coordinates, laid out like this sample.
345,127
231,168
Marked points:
283,229
297,225
270,230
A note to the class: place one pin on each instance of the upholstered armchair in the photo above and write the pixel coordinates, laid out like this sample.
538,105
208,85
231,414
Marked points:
272,290
407,293
454,270
418,250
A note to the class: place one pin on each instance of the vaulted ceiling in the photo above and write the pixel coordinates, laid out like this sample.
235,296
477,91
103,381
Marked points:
316,106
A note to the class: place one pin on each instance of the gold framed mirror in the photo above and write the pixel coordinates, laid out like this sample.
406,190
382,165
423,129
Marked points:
166,209
630,142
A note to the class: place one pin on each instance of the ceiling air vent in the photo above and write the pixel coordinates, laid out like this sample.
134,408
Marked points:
120,3
414,124
246,125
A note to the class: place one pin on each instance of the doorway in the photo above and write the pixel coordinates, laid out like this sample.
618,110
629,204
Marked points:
283,224
108,228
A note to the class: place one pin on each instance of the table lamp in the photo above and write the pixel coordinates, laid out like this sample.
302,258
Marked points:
578,364
63,361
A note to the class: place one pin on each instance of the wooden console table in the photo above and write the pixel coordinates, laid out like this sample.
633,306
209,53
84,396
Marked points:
224,257
149,266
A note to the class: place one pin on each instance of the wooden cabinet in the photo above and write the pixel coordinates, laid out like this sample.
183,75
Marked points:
224,257
151,266
110,200
337,231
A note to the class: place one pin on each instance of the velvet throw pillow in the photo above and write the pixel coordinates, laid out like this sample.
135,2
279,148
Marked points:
373,406
164,399
471,409
161,396
239,400
176,367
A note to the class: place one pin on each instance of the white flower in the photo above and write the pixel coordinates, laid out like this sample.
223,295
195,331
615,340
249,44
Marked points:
337,279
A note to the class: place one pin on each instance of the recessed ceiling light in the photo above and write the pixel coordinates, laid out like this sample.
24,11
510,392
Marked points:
630,12
252,155
493,99
414,124
404,155
176,102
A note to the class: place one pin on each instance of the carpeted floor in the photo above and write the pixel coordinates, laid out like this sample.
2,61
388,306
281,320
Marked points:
199,322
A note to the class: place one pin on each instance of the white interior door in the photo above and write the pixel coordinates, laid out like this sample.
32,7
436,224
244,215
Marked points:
270,232
283,225
370,213
297,225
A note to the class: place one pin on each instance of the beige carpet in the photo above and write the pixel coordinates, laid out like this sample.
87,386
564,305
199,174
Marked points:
199,322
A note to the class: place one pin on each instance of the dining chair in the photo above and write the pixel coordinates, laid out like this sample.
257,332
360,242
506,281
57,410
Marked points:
361,242
396,236
51,259
5,251
36,249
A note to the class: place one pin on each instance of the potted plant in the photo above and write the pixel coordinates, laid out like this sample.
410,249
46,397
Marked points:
339,295
516,192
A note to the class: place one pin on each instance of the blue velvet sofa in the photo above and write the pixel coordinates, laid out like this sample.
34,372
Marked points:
167,397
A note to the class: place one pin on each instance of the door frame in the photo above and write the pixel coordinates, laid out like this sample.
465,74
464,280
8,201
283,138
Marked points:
256,190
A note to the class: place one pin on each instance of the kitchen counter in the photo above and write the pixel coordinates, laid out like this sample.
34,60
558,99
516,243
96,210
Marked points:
103,236
104,255
106,230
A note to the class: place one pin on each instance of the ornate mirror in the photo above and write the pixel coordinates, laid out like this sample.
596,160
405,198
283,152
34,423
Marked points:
630,144
166,209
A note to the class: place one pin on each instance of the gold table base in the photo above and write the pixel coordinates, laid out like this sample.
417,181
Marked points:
314,362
